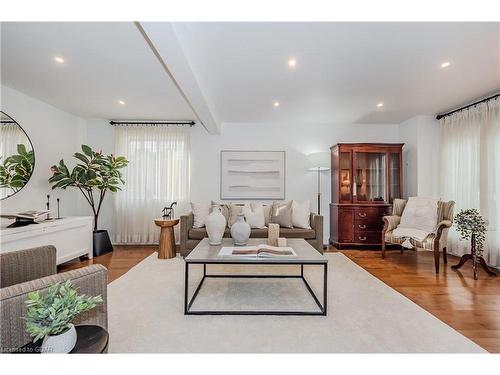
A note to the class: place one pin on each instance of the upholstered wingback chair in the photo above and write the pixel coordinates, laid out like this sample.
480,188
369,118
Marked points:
25,271
435,241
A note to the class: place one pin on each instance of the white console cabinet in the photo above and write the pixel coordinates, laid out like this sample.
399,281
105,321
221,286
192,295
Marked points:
71,236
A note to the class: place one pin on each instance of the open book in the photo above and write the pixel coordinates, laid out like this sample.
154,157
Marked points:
259,251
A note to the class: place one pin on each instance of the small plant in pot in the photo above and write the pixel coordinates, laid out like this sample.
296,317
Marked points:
49,316
94,175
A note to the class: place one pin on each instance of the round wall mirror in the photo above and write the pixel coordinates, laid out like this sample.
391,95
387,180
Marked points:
17,157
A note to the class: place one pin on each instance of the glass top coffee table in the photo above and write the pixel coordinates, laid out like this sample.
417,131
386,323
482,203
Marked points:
283,283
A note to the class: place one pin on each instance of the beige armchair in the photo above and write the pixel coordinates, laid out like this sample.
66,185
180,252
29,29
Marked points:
35,269
435,241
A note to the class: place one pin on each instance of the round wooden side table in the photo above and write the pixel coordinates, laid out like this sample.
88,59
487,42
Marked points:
167,238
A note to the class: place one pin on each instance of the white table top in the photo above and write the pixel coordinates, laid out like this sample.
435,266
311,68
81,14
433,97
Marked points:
206,253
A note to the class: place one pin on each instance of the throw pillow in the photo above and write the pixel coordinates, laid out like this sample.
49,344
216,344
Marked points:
254,215
234,211
301,214
282,215
200,212
267,213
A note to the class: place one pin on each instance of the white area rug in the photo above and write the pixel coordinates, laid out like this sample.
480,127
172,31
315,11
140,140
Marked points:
364,315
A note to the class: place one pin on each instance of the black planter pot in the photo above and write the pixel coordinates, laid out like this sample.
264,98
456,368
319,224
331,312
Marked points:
102,243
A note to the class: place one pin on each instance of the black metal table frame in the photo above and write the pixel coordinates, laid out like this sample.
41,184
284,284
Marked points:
189,302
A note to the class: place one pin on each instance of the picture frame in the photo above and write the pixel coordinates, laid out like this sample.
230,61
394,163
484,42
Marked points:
252,175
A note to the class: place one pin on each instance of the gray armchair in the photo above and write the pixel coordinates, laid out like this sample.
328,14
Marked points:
35,269
435,241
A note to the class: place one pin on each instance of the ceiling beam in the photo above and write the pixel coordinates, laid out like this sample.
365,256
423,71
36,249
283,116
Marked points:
163,41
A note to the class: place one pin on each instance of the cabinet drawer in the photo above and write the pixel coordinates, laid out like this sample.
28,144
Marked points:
372,237
369,219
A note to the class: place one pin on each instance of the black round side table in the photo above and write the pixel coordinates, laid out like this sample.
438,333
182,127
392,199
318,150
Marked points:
89,339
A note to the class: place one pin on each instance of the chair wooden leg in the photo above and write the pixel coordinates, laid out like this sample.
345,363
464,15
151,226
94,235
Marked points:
436,257
401,249
383,249
445,256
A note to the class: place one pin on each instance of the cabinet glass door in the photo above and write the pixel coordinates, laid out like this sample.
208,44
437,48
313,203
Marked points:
370,177
345,177
394,176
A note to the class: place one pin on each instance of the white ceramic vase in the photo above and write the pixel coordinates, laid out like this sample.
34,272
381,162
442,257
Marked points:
216,225
240,231
60,344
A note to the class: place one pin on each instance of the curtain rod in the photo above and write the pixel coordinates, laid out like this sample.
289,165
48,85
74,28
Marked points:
438,117
178,123
8,122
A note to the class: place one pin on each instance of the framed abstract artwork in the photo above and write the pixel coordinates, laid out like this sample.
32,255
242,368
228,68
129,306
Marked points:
252,175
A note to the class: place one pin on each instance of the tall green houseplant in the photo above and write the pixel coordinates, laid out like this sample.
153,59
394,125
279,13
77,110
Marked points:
94,175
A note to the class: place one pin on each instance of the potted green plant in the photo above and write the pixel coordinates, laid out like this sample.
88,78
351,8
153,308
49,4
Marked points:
94,173
49,316
472,226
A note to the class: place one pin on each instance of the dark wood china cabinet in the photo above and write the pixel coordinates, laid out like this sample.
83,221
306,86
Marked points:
366,177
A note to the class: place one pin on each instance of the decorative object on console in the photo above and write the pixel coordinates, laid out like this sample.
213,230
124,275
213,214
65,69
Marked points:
49,316
168,212
26,218
252,175
471,226
273,234
94,171
17,156
365,178
58,212
216,225
319,162
240,231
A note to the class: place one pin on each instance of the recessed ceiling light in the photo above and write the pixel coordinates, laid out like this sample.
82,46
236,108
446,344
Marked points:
121,102
445,64
380,105
276,104
60,60
292,63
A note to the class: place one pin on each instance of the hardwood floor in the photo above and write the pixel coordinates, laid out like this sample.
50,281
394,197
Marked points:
470,306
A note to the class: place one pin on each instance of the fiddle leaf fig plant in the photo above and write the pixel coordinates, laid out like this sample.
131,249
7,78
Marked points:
51,313
94,173
16,170
470,224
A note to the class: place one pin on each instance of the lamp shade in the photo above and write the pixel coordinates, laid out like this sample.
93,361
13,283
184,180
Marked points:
319,161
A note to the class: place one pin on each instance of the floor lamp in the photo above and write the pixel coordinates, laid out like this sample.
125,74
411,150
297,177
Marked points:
319,161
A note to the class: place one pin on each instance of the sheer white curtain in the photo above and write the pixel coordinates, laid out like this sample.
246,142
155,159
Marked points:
470,170
11,135
157,174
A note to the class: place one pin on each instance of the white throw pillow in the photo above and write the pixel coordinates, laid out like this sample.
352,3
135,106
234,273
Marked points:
200,212
420,213
301,214
254,215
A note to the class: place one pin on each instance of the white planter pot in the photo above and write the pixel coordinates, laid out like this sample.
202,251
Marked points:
240,231
62,343
216,225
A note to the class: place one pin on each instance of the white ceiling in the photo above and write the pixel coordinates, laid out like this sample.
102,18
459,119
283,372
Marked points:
343,69
104,63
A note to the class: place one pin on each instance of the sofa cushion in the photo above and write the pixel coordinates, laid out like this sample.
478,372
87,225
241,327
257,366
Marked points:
201,233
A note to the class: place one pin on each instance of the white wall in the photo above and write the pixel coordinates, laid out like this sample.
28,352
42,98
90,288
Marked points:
54,134
297,140
422,137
